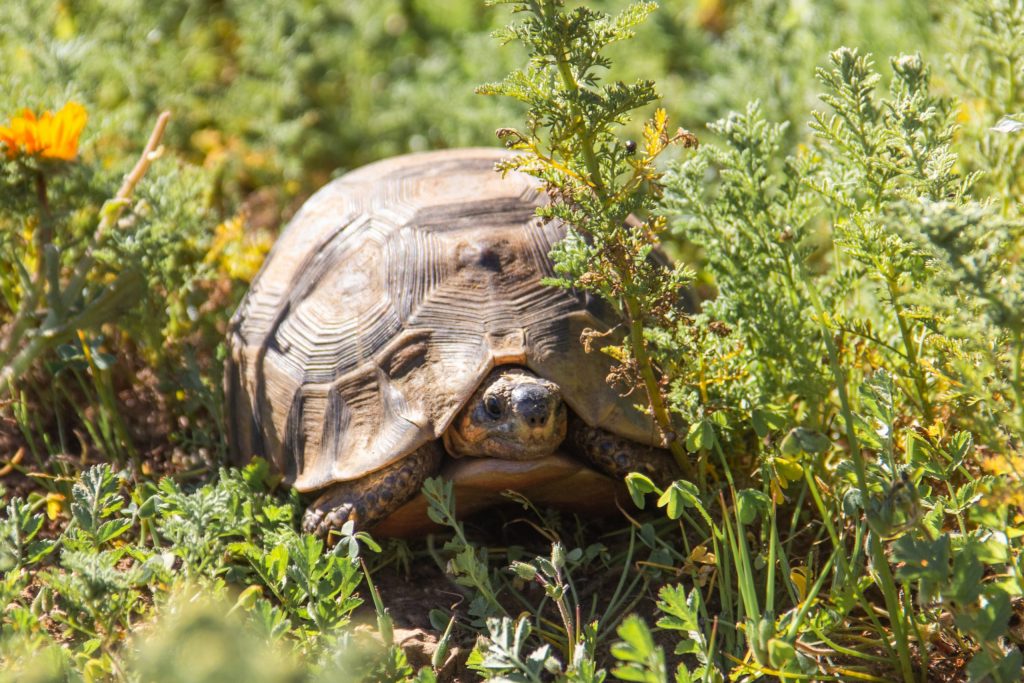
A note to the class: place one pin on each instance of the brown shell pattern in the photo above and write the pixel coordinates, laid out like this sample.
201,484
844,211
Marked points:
384,304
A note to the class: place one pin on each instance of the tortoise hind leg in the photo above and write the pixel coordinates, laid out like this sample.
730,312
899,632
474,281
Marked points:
618,456
370,499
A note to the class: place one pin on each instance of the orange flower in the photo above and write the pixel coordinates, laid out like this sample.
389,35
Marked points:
50,136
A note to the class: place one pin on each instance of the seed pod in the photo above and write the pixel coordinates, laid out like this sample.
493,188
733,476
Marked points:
558,556
440,655
524,571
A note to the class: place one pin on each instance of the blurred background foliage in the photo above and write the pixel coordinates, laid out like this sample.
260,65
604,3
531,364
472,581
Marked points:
280,96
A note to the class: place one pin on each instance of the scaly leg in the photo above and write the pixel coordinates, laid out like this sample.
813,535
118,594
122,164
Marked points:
618,456
370,499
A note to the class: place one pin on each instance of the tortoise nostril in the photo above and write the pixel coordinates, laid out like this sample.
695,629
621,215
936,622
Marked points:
534,403
534,412
538,418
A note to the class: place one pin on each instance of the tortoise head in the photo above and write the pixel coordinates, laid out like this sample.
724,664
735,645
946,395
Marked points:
513,415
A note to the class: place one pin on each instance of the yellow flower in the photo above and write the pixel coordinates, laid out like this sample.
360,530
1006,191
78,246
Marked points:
50,136
236,251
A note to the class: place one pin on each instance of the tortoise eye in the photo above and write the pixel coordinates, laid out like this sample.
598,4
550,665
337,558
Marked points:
493,406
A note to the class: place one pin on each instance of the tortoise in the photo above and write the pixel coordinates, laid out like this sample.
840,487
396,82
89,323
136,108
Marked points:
400,328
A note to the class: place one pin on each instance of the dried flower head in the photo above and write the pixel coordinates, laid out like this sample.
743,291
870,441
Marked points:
49,136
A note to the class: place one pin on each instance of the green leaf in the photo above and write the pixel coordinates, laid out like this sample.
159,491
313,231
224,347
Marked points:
877,397
987,622
18,529
767,421
759,631
960,446
37,550
965,584
853,503
750,503
701,436
247,598
920,455
640,659
112,529
682,494
276,563
781,654
148,509
256,474
441,500
439,619
800,440
681,613
272,620
923,560
639,485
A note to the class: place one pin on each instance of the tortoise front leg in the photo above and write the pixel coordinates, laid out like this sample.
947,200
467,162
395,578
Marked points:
618,456
370,499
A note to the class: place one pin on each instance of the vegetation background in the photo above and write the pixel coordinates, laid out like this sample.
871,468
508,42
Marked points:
851,393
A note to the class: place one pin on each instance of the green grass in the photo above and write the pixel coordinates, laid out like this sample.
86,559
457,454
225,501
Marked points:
848,402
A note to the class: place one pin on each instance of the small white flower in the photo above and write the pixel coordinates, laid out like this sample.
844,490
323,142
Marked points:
1008,125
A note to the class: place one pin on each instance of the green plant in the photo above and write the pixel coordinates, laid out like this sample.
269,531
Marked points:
597,180
125,554
20,547
468,564
76,264
881,179
61,300
986,59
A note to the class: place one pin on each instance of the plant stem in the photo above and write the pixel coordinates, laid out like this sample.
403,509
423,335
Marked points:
844,563
885,578
1018,380
911,350
37,284
839,377
571,84
113,209
568,624
773,549
658,408
631,304
887,583
44,232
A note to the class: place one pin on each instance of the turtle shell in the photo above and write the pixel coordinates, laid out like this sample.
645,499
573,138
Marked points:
384,304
